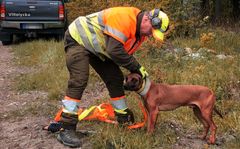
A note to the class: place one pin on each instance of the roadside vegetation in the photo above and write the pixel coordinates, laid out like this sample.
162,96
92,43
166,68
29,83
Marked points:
212,59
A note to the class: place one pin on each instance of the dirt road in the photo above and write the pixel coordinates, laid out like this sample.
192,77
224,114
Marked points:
20,132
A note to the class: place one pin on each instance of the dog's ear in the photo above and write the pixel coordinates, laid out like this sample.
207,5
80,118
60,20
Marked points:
139,80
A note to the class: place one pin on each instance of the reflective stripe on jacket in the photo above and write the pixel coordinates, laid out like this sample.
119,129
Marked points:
118,22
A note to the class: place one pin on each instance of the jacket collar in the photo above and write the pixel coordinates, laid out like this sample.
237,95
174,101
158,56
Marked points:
139,20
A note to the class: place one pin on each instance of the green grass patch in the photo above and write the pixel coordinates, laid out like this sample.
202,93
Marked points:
47,60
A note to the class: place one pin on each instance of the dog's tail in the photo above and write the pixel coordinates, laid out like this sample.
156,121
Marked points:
216,111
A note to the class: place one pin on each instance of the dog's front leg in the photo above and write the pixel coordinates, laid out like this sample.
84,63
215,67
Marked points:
153,112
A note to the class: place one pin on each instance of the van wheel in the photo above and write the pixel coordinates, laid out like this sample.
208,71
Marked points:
6,42
59,37
9,41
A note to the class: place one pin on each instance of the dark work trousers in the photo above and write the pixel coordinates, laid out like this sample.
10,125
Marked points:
78,59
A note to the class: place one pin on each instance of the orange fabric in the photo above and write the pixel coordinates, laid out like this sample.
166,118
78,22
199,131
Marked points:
117,98
104,112
73,99
58,115
141,124
123,20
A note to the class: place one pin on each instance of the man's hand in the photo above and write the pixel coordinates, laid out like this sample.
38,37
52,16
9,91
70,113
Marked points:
143,72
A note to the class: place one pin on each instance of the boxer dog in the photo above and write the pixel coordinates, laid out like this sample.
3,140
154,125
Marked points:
163,97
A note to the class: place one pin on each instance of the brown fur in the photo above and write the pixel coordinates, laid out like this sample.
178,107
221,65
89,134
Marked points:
163,97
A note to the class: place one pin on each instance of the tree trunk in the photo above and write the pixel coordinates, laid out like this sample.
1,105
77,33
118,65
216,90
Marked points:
205,8
236,9
218,9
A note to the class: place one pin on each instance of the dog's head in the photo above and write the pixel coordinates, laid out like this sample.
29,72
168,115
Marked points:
133,82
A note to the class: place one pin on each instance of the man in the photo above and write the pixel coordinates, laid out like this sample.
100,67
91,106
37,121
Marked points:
106,40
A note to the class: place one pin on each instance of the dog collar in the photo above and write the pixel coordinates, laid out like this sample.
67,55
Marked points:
145,87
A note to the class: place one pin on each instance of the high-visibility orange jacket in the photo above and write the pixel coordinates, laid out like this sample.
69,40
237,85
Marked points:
113,32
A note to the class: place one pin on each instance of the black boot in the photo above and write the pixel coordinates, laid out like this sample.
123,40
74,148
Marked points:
126,118
69,138
68,135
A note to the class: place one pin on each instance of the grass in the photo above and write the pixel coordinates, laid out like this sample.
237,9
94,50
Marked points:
47,60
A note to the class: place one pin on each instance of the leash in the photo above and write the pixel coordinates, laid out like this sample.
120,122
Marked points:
145,116
103,112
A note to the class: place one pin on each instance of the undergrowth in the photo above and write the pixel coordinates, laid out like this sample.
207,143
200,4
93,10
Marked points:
212,59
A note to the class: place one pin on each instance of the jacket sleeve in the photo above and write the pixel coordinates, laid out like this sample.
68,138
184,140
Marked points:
118,54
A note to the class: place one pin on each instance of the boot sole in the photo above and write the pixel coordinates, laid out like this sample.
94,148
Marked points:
65,143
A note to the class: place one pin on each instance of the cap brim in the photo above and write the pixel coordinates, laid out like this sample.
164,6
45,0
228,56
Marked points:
157,34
